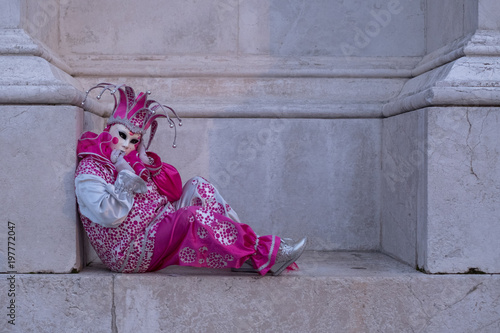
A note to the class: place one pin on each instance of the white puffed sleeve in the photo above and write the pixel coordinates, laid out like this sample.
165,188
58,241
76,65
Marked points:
108,204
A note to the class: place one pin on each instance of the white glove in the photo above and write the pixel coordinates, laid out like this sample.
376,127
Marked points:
119,161
142,154
130,183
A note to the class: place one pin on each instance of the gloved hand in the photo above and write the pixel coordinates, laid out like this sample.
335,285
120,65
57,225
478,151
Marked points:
119,161
142,154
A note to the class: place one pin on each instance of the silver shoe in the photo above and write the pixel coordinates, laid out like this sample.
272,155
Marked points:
288,253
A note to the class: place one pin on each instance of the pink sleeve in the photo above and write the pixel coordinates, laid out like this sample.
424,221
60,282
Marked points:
166,178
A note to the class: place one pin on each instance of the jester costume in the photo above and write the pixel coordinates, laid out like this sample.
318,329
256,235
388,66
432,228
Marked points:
146,220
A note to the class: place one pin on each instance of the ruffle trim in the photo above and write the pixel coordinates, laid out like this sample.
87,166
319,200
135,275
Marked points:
97,146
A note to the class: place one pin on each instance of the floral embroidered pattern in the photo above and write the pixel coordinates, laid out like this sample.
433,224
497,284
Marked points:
205,216
121,248
216,260
196,202
202,233
206,190
225,232
187,255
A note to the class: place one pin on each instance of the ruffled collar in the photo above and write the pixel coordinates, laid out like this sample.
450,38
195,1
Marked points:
97,147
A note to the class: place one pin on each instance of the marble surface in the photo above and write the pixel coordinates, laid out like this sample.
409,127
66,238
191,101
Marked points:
336,264
38,164
289,177
463,189
333,68
461,19
10,15
272,96
283,29
47,303
487,15
332,291
404,157
440,188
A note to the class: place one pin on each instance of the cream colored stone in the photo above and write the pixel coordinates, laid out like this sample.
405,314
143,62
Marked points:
47,303
488,14
242,97
404,157
157,27
10,15
444,29
41,20
155,67
439,86
38,164
254,27
463,172
334,292
306,61
370,28
439,183
290,177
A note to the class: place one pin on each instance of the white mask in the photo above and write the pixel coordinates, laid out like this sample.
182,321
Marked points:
127,140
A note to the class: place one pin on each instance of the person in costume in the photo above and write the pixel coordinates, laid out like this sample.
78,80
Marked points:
138,215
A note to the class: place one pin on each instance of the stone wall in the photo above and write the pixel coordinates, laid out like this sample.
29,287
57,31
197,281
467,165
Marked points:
438,211
374,28
279,94
313,118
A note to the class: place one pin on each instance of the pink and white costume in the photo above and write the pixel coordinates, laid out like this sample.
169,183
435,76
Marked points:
140,224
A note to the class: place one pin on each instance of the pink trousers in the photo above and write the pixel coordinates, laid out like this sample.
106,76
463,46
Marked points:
205,232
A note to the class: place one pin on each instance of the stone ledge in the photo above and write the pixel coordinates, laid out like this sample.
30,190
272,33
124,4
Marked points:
314,264
482,43
333,292
31,79
237,97
28,79
18,42
453,75
274,109
246,66
458,83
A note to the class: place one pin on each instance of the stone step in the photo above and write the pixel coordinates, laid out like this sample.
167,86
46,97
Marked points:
332,292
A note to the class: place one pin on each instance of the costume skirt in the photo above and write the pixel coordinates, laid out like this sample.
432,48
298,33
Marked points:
204,231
